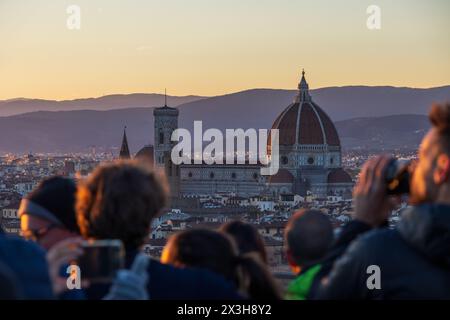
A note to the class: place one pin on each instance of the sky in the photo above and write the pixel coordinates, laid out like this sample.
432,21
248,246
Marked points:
213,47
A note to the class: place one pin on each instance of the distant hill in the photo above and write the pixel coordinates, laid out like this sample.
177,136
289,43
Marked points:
389,132
109,102
339,102
258,108
76,131
372,111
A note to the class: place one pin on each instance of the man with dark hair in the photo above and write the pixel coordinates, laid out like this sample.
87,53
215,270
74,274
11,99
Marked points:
308,236
47,214
411,261
119,201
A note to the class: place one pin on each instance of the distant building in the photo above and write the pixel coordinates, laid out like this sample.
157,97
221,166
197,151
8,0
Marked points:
310,158
146,154
10,222
166,121
310,149
25,187
69,168
10,211
124,150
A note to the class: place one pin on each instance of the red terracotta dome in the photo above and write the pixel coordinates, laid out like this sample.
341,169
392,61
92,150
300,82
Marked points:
282,176
146,154
339,176
304,122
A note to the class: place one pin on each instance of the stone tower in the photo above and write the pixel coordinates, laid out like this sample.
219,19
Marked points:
124,150
166,121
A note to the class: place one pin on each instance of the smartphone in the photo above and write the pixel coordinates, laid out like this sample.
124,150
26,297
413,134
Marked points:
101,260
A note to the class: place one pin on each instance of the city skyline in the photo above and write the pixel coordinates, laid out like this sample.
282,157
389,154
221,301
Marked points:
205,49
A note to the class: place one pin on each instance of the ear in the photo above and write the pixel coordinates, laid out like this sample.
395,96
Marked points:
442,170
291,261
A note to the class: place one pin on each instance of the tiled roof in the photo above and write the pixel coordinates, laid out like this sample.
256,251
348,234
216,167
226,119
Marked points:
282,176
339,176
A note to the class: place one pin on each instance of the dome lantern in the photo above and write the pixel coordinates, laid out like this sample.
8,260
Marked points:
303,122
303,87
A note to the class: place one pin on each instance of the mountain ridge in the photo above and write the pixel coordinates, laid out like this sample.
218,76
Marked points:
326,96
76,130
107,102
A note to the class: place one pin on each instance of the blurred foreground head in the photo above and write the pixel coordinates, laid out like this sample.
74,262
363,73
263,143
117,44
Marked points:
308,236
119,201
217,252
246,237
47,214
430,179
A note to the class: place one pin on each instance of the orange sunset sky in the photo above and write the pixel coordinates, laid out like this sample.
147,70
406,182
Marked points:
214,47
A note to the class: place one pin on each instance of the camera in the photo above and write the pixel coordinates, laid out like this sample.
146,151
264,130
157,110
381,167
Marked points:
101,260
398,176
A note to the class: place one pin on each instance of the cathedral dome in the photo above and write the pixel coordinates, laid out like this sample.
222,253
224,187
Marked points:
146,154
282,176
339,176
303,122
146,151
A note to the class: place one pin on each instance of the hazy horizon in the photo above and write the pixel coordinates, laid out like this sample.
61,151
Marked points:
218,95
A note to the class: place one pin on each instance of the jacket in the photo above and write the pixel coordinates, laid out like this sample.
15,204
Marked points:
413,260
300,287
170,283
29,265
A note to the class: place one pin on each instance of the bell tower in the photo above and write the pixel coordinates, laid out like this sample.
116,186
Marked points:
166,122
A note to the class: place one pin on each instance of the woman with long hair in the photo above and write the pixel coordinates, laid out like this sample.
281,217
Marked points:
218,252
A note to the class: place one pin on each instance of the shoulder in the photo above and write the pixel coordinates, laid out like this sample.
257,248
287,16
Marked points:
378,237
17,247
29,264
375,244
169,282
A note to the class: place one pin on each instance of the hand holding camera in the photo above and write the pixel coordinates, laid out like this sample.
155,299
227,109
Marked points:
382,180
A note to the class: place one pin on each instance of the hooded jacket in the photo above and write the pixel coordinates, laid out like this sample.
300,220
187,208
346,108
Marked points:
413,260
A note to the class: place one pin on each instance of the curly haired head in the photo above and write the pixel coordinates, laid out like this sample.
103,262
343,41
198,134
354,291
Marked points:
119,201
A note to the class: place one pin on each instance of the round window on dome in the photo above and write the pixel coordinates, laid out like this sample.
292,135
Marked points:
310,160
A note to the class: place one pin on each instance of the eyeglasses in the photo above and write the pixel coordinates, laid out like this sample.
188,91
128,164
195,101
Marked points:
35,235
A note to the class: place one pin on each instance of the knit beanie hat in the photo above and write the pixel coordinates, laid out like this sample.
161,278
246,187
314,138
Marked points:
54,200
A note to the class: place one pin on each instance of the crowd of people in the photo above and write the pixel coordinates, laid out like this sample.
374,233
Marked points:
119,200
